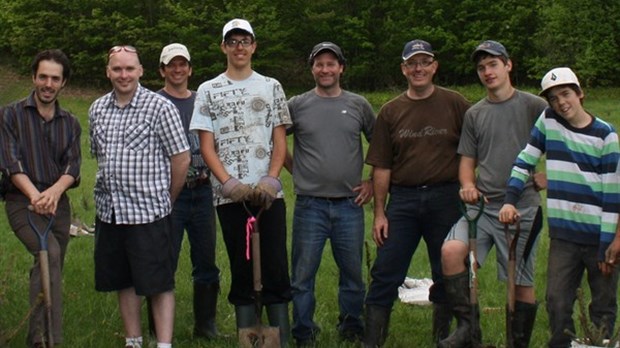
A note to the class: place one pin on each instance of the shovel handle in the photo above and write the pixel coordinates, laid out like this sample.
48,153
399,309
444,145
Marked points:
256,263
47,295
511,242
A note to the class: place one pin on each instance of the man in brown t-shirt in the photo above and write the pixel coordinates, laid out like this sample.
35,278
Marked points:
413,154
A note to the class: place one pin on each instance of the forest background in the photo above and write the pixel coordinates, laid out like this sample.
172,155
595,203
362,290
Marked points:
539,35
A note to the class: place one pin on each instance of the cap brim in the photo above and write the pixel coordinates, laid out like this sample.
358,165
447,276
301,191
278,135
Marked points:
487,50
418,52
237,30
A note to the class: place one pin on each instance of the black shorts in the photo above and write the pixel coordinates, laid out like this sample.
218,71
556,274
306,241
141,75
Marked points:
139,256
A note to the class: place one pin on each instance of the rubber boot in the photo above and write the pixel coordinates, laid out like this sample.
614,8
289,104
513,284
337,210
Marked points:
377,321
442,318
523,323
457,288
151,318
205,307
278,316
245,316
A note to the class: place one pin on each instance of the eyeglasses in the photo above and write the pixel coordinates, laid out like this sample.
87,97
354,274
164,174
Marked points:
126,48
412,64
234,42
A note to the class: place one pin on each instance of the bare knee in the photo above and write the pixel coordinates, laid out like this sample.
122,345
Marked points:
453,254
525,294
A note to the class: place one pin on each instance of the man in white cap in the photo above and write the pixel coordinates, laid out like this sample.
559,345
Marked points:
496,128
193,210
241,118
414,159
582,155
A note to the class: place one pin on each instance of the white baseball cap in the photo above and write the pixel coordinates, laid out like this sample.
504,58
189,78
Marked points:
173,50
556,77
237,23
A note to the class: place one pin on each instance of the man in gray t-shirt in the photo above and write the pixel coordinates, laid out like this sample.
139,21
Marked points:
495,130
327,164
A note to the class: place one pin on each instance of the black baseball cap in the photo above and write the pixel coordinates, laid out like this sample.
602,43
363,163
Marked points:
327,46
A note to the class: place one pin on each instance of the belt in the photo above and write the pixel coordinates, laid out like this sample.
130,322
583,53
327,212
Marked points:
331,199
425,187
197,183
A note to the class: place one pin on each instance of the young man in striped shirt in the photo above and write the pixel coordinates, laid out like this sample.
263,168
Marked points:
583,197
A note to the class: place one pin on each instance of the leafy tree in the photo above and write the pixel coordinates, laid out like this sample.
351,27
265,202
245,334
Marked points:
539,34
580,34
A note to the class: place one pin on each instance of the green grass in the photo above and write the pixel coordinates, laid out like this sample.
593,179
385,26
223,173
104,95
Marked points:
91,319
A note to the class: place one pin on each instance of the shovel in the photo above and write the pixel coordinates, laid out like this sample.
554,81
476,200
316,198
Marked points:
512,266
45,270
258,336
472,232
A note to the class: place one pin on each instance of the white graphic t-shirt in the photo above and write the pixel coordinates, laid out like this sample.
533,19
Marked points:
241,115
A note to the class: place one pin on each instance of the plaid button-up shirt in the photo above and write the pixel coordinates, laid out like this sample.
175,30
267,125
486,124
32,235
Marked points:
133,146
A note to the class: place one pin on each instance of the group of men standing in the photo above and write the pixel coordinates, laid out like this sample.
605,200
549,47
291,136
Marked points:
169,161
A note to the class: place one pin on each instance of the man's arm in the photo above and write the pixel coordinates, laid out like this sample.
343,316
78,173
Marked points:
288,162
467,177
209,155
279,151
381,184
179,164
364,190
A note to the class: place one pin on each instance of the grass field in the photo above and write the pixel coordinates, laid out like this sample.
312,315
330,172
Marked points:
91,319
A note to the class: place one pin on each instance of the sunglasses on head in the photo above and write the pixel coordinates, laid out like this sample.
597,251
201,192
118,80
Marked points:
126,48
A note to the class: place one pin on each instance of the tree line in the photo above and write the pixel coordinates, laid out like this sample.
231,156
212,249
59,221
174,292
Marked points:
539,35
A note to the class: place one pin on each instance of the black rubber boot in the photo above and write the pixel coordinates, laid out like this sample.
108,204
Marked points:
376,325
278,316
442,318
465,335
245,316
205,307
523,323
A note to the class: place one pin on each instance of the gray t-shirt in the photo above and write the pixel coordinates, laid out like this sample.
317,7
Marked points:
494,134
328,152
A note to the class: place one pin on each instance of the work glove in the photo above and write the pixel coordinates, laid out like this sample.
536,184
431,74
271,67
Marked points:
266,191
236,190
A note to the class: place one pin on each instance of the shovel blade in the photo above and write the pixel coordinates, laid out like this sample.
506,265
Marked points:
259,337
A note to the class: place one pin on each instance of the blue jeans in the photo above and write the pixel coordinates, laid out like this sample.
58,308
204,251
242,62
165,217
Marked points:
193,212
342,222
413,213
566,265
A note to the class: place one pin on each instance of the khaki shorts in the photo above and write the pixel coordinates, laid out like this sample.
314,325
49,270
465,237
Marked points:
490,232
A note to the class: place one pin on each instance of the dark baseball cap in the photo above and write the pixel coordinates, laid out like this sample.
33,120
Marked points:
417,47
327,46
491,47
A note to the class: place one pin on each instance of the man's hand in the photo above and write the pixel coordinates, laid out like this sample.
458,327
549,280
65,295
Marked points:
266,191
236,190
540,181
470,194
612,254
380,230
364,192
606,268
46,202
508,214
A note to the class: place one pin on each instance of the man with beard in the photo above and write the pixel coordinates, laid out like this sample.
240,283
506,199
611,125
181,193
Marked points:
40,156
